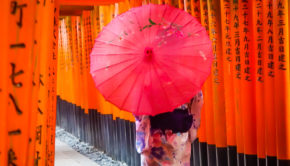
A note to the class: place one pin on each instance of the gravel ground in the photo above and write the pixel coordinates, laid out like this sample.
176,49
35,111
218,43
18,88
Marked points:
86,149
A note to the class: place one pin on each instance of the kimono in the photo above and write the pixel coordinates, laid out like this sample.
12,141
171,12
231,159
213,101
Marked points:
165,147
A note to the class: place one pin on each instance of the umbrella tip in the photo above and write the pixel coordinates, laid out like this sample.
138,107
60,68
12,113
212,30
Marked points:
148,54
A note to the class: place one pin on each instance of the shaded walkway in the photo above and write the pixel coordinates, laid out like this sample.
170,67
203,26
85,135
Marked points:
85,149
66,156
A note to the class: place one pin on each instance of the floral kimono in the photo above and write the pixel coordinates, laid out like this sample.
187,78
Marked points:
165,147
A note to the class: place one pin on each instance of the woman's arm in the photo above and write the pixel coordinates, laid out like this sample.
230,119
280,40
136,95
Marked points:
195,109
142,130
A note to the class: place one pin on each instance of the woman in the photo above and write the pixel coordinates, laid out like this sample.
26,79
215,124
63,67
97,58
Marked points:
165,139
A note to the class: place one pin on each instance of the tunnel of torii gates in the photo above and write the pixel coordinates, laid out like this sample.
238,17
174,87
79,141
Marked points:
45,81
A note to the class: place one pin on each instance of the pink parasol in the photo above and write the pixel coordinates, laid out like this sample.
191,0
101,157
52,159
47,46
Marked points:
151,59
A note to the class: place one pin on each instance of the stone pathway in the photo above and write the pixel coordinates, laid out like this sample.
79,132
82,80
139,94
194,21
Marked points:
66,156
84,149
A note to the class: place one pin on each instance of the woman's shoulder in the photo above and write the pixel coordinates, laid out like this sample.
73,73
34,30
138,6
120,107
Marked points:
141,118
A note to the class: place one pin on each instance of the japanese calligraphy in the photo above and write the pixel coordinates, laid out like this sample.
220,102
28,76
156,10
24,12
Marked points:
236,42
18,45
40,80
281,39
259,31
214,35
36,160
227,31
38,133
39,110
14,7
195,9
246,40
18,110
204,14
14,74
11,157
14,132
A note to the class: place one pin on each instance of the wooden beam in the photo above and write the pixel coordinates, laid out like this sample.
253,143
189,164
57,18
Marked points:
74,7
72,10
71,13
88,2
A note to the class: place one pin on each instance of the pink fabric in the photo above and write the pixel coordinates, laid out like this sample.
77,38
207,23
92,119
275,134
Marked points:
151,59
